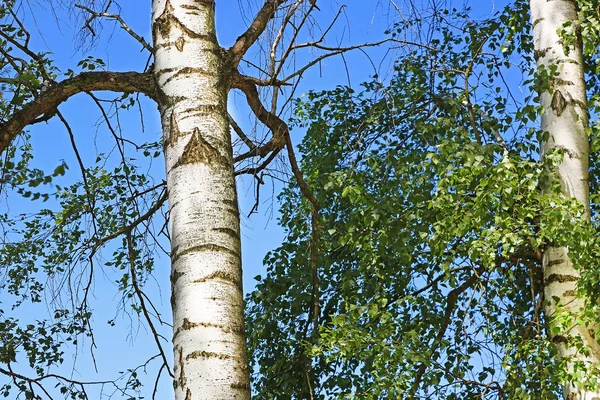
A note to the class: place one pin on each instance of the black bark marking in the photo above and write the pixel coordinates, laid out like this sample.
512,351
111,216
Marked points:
560,278
230,202
537,54
172,298
202,110
188,394
187,325
187,71
162,24
207,354
204,247
537,21
559,103
206,3
188,7
228,231
181,380
167,21
198,150
234,211
174,132
169,101
559,339
179,43
175,276
556,262
241,386
222,275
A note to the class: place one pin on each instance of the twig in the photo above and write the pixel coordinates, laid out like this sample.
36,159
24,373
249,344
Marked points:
119,19
314,245
139,292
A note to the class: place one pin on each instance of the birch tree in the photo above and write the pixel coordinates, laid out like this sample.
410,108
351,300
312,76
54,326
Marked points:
564,122
189,77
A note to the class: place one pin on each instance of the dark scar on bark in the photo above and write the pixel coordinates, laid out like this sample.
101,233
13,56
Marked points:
174,132
559,103
198,150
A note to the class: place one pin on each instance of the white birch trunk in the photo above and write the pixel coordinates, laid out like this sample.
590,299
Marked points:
564,120
209,339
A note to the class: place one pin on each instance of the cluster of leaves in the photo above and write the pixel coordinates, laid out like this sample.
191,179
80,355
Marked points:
431,228
52,254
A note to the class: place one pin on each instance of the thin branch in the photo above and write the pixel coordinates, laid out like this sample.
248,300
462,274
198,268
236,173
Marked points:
124,26
449,310
261,167
242,135
256,28
314,244
127,229
142,301
293,47
280,34
89,198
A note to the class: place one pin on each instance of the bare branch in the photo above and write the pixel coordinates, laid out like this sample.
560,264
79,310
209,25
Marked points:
126,230
124,26
273,122
256,28
242,135
142,301
47,102
255,170
332,51
292,46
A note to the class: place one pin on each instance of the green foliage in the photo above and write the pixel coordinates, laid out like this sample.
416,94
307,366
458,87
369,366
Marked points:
50,257
431,231
71,228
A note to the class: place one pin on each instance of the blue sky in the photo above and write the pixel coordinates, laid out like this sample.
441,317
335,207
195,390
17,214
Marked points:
53,31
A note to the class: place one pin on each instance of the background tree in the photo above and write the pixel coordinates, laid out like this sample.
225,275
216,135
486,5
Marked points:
434,224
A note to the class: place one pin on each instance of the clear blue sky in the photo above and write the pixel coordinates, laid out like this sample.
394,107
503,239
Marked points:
120,347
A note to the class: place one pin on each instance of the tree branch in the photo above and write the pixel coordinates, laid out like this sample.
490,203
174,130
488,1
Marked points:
120,20
256,28
47,102
273,122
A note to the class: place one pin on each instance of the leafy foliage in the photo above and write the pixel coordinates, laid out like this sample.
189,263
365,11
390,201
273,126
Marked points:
72,224
432,224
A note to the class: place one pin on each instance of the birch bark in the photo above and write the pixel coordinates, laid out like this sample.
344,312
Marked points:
564,120
192,76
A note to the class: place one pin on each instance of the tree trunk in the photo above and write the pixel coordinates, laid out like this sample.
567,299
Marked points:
192,78
564,121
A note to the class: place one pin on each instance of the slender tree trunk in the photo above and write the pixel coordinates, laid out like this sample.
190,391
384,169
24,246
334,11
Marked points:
192,77
564,121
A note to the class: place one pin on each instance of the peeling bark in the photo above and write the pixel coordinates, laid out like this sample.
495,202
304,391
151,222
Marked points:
192,73
565,119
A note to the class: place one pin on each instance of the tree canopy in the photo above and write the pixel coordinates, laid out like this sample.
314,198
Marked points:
432,227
